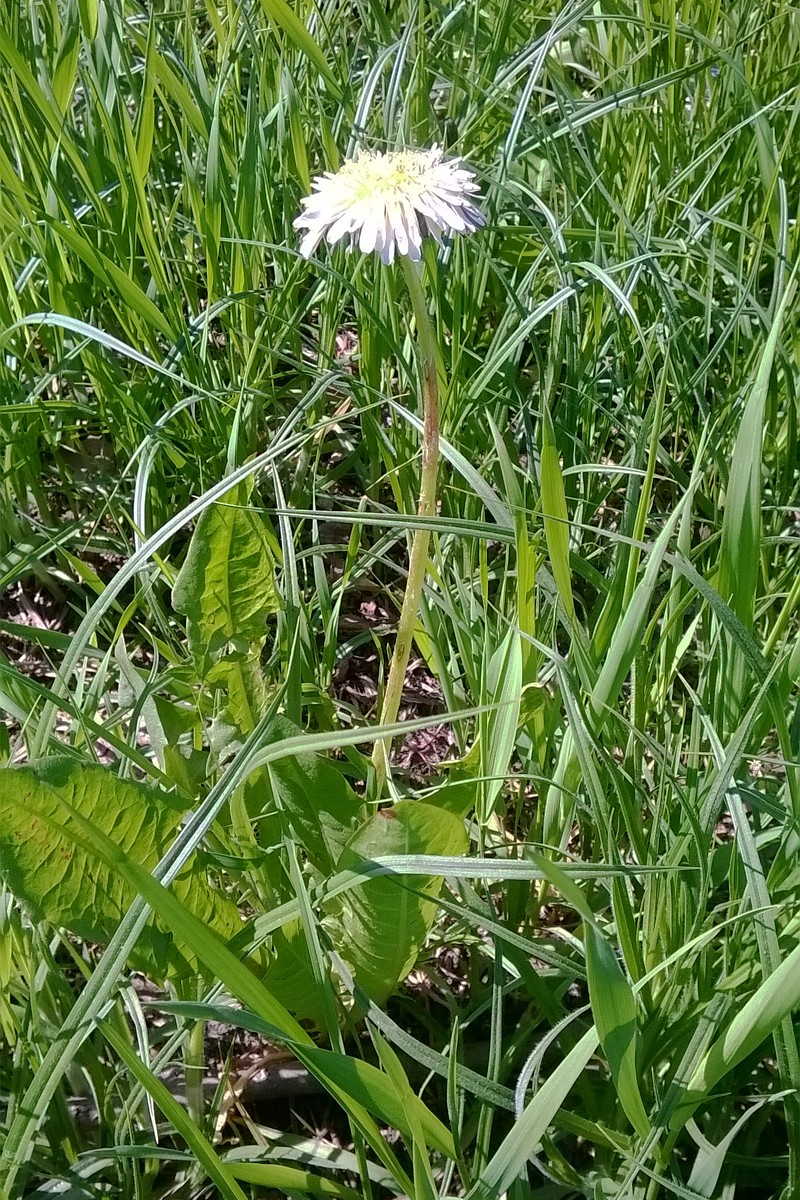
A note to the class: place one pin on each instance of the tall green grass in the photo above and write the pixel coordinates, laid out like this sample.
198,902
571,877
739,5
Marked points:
611,606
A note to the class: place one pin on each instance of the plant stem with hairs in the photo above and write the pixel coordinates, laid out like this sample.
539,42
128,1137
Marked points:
426,508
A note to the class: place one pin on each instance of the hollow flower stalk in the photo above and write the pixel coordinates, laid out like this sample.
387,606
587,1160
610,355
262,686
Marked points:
387,204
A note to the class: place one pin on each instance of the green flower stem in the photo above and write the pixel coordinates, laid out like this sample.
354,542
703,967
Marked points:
194,1069
425,508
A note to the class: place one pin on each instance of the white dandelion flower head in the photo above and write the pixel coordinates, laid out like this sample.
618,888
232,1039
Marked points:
390,202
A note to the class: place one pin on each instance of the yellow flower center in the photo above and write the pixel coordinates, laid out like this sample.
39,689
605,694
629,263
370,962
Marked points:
383,174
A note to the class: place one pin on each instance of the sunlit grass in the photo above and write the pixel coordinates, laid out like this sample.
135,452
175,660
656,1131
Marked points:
611,599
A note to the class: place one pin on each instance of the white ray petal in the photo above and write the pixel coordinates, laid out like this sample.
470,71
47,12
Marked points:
369,234
310,242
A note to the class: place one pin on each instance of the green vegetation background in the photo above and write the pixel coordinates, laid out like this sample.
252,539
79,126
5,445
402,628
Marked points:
611,611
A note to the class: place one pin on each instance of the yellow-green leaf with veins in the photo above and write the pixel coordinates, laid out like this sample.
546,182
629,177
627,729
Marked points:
58,881
226,586
384,923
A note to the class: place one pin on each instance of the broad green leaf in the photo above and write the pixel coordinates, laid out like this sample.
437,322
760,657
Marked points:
315,800
290,977
384,924
132,691
209,945
242,983
47,869
246,696
226,586
457,797
364,1080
